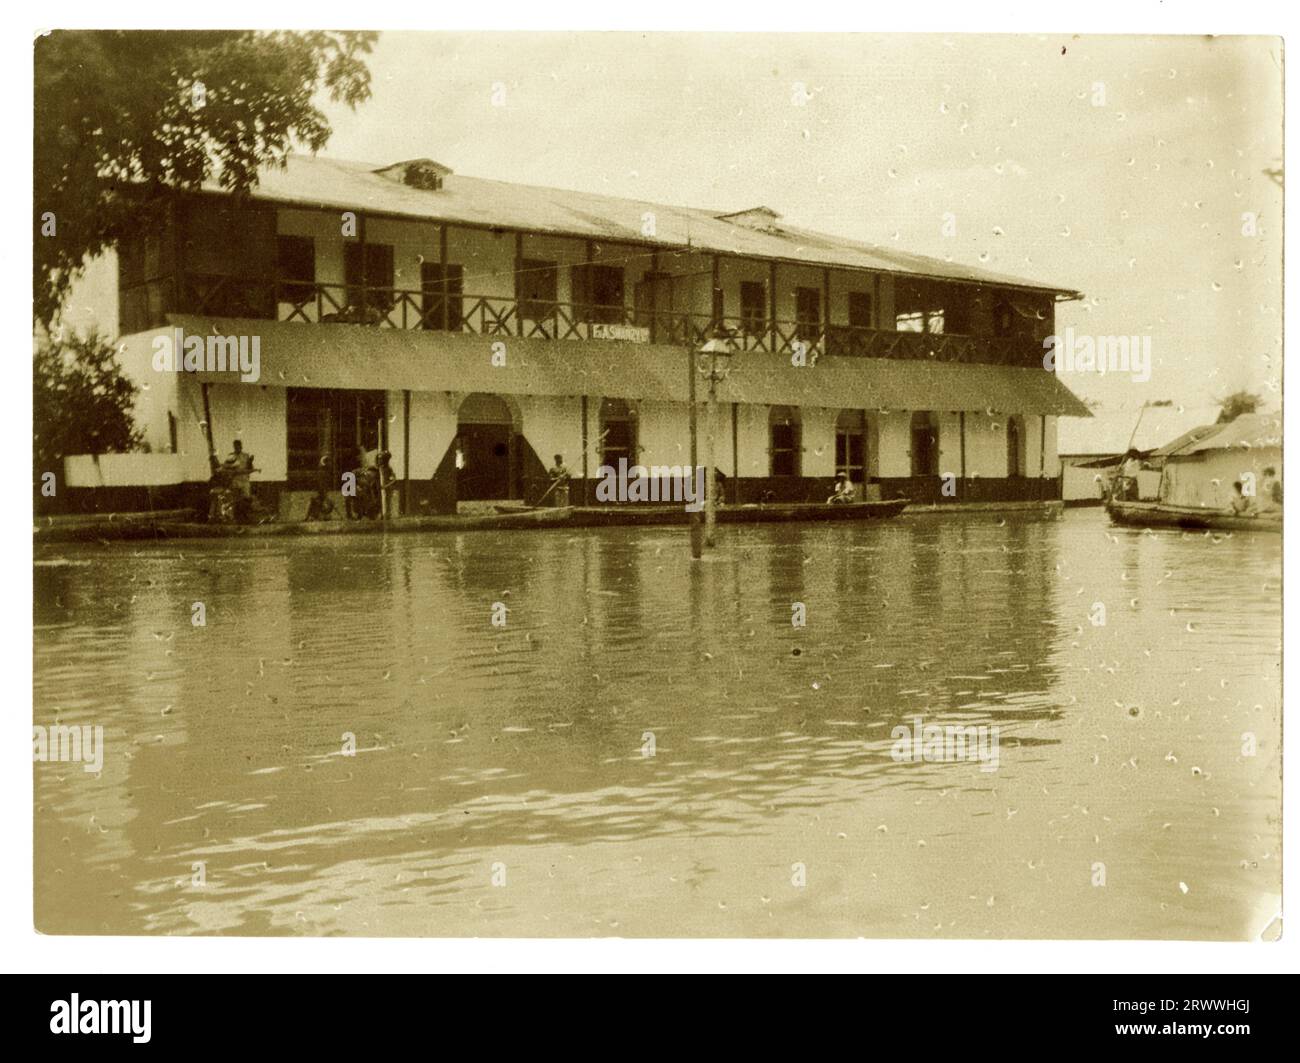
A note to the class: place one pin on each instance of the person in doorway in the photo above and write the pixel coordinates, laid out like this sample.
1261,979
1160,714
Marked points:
559,489
844,491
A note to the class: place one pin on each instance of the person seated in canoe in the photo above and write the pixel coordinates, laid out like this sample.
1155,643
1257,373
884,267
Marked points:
1242,504
1271,490
559,489
844,490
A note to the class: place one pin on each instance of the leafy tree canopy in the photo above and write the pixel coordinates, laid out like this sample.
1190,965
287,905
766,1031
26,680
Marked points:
122,114
82,401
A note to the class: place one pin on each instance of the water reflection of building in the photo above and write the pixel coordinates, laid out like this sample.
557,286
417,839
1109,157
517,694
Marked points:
476,329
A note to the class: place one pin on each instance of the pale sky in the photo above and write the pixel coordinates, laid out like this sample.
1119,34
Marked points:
1121,168
1136,202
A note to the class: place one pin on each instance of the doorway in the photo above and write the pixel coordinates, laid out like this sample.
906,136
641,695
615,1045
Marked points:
485,449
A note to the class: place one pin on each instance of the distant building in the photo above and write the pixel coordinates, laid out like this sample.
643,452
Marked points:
1092,449
1201,468
475,328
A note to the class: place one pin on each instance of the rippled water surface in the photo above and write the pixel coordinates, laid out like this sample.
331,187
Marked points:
501,785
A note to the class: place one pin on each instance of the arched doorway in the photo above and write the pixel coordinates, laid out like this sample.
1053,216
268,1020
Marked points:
485,448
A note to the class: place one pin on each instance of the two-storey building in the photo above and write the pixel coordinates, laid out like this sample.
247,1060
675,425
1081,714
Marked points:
475,328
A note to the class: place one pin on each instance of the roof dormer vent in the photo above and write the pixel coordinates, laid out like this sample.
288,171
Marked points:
424,174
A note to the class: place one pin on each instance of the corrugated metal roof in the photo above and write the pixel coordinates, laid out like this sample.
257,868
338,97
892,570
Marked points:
363,357
347,185
1250,431
1197,433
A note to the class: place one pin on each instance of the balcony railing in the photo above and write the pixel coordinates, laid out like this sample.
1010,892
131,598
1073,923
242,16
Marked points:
490,315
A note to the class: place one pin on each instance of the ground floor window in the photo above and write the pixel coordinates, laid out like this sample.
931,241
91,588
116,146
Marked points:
617,433
925,444
327,430
785,433
1015,446
851,445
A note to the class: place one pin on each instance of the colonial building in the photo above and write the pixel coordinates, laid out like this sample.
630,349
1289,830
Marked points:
476,328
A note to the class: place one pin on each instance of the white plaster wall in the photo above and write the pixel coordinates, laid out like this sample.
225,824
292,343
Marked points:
949,443
255,414
896,443
433,427
819,440
986,444
664,434
552,424
752,434
158,394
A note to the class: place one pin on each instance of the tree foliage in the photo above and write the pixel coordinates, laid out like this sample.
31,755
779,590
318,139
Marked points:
1234,405
82,401
121,115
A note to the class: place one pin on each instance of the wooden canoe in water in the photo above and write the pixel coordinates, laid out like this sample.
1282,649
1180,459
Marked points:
777,512
506,518
1163,515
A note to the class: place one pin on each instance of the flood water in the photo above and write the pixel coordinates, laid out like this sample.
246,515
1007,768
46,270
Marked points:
501,783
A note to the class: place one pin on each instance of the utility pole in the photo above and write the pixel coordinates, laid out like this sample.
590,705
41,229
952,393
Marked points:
715,357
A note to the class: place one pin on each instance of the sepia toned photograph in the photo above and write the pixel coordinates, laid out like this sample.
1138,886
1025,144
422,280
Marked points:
657,485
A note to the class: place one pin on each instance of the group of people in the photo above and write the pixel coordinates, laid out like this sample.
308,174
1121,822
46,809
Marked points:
363,487
231,499
230,493
1266,499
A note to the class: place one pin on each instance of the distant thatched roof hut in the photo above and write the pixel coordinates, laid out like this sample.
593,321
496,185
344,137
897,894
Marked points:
1201,466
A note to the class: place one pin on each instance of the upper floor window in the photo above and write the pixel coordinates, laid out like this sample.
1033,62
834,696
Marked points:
859,309
368,274
296,269
808,314
442,303
537,286
598,293
753,307
920,321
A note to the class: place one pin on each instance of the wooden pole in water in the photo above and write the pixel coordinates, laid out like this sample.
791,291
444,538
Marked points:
406,452
585,445
697,528
710,487
207,428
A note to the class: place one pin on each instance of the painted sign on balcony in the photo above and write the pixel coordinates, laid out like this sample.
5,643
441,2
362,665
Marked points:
635,333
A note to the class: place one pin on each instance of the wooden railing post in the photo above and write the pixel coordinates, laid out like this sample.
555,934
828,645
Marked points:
772,302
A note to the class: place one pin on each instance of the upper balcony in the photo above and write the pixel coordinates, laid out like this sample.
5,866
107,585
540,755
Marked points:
433,309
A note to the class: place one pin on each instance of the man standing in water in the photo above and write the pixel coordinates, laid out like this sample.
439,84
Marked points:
559,489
